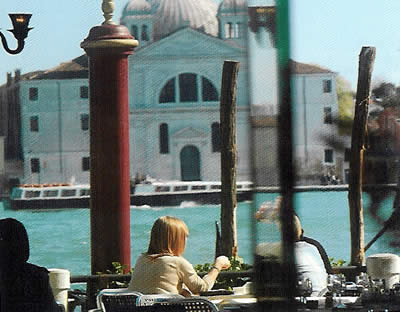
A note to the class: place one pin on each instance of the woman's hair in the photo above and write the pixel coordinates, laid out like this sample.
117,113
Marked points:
168,235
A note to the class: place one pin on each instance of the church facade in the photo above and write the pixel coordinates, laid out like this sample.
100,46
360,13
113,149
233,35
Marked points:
174,92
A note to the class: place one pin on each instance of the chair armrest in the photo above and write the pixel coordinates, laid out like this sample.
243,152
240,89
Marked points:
60,306
94,310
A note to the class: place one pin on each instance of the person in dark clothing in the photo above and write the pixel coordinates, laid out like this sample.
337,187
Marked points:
23,286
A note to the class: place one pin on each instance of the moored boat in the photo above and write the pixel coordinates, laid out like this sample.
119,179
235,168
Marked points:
166,193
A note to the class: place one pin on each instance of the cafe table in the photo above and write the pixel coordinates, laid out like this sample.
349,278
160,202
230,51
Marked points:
248,302
240,296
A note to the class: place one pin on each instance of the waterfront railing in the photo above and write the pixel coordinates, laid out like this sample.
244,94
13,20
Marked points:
94,283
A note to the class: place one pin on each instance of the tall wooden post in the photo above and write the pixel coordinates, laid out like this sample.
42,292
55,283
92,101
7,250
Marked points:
366,61
108,47
228,158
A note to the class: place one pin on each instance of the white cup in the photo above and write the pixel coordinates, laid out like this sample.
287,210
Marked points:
60,284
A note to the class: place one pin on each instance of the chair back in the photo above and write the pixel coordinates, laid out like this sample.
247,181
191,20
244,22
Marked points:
148,300
117,300
192,304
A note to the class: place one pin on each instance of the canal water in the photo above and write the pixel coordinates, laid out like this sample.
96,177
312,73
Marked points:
60,238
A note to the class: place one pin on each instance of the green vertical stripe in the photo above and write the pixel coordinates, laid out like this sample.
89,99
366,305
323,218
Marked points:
283,39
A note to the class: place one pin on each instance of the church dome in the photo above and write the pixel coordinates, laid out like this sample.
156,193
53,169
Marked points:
136,7
232,6
172,15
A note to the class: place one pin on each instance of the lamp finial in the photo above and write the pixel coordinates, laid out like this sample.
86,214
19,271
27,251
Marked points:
108,10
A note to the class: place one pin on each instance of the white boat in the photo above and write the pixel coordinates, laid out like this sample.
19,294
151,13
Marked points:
54,195
165,193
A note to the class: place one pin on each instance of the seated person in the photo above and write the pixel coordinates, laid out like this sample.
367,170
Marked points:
24,286
310,257
163,270
309,262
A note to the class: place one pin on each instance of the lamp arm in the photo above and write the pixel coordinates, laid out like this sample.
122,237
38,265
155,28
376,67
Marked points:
19,48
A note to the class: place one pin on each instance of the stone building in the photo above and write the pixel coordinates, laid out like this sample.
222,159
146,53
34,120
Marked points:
174,92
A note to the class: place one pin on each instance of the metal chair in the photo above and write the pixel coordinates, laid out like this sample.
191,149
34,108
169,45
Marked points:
61,307
116,300
192,304
151,299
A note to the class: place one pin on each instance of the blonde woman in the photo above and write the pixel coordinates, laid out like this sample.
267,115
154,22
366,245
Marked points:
162,269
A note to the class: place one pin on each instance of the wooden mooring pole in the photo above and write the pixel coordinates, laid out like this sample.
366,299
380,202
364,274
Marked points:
366,61
228,158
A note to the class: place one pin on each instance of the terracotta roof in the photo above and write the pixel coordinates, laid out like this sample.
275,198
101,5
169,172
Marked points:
31,75
76,68
302,68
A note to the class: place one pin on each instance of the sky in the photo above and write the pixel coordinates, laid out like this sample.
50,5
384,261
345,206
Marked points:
324,32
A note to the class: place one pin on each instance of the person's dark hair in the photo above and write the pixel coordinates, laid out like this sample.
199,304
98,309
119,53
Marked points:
15,238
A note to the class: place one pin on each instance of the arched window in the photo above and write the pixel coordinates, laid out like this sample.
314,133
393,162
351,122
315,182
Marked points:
145,35
188,88
164,144
134,31
167,94
209,92
215,137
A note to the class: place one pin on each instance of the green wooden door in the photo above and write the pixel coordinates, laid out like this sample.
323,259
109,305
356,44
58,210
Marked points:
190,163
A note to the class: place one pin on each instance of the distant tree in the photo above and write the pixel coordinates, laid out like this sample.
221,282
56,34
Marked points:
391,101
384,90
345,99
386,94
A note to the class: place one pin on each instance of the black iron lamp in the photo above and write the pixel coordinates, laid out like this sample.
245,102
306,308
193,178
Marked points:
20,31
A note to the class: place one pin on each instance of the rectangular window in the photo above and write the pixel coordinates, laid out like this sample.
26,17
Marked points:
84,92
164,139
34,123
134,31
35,165
32,194
84,192
188,87
84,122
347,153
327,115
145,36
68,193
85,163
33,94
327,85
50,193
198,187
215,137
328,156
180,188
